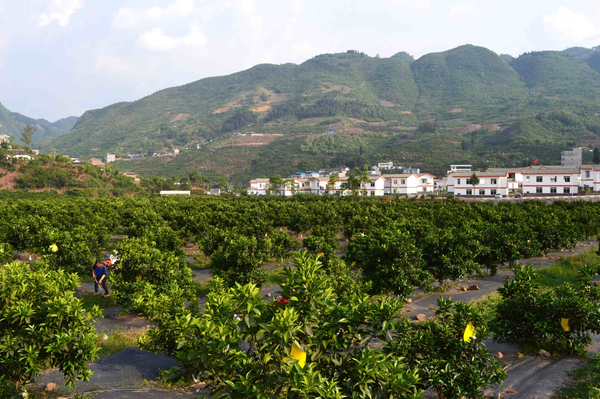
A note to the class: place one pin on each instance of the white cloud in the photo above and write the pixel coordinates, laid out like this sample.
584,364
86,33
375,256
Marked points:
464,9
254,22
418,5
114,65
60,10
305,48
157,40
3,42
566,25
127,17
297,6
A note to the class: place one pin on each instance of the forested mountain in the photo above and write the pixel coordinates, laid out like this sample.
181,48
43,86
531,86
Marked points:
12,124
465,104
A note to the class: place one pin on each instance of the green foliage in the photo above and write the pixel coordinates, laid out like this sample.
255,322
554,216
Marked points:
6,253
42,325
453,367
389,260
243,345
143,266
530,316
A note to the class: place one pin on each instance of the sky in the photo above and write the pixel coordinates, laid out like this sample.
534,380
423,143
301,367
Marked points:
59,58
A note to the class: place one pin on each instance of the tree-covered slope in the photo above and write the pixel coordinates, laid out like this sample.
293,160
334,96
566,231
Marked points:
465,78
12,124
559,75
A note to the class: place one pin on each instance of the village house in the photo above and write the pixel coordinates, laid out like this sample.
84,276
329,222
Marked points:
551,180
590,177
409,183
514,177
490,183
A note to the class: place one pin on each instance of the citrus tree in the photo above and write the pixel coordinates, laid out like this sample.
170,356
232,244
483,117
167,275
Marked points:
315,345
42,326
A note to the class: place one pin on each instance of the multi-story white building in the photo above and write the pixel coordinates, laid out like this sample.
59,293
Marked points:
408,183
490,184
550,180
514,177
590,177
258,186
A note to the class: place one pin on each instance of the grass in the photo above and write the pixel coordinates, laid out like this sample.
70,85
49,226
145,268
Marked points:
109,344
565,270
587,381
89,300
487,305
275,277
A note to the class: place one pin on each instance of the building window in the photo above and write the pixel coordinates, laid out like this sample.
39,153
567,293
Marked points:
372,184
539,179
587,174
468,181
395,191
424,181
493,191
538,190
458,181
403,181
527,179
494,181
469,191
372,193
481,192
395,182
553,179
567,179
552,190
567,190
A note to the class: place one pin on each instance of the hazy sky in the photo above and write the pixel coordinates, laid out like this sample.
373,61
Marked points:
62,57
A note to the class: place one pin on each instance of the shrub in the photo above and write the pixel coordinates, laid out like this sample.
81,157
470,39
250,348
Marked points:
6,253
247,347
389,260
532,317
42,326
142,264
447,363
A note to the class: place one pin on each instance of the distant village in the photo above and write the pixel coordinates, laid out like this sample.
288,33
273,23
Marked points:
460,180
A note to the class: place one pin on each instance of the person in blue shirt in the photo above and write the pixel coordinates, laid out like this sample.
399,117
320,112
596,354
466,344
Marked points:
99,276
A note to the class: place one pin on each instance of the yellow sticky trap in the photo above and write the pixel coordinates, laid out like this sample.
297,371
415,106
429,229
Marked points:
469,332
297,354
138,277
565,324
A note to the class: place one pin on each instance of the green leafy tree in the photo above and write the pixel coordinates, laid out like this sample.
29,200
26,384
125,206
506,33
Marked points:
248,347
596,155
389,260
275,183
143,265
452,366
42,326
332,183
530,316
27,134
292,185
474,180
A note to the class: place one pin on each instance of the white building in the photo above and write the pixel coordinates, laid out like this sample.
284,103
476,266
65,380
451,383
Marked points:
514,177
258,186
550,180
109,158
590,177
490,184
174,192
409,184
4,138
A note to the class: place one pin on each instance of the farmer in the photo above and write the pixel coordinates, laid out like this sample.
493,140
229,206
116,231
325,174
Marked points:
99,275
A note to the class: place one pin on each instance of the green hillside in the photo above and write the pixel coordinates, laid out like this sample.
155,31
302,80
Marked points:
556,75
12,124
466,80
